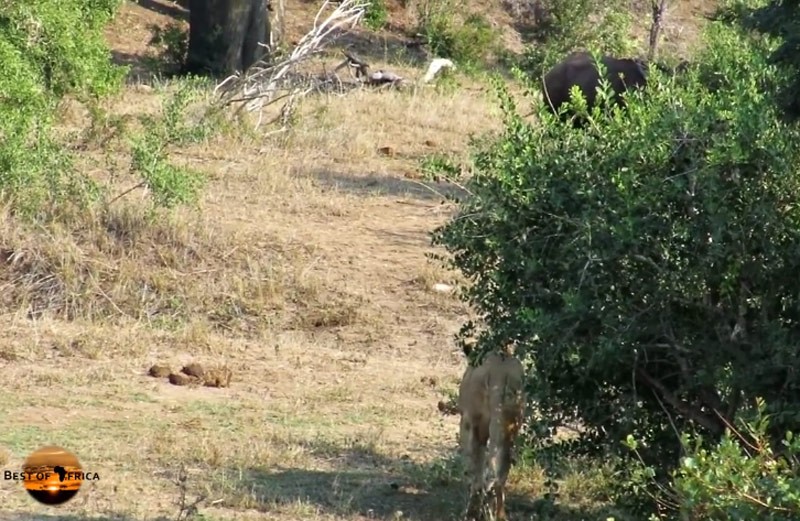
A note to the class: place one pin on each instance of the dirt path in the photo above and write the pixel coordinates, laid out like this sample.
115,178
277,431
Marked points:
352,407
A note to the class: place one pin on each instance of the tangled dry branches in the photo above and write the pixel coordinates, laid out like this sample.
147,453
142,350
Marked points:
266,83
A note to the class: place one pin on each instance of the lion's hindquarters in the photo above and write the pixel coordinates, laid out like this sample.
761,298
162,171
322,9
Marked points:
490,400
506,407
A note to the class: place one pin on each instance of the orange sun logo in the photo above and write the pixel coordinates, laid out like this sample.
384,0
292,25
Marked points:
52,475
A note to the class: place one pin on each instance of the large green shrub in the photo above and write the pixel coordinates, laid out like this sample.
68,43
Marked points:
781,19
47,50
647,265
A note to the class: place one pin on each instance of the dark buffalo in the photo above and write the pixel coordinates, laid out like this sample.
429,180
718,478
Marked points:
579,69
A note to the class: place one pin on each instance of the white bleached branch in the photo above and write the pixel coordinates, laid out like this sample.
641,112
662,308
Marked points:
265,83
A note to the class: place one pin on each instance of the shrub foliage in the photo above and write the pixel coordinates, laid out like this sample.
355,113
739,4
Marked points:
645,266
573,24
779,19
53,50
48,50
451,32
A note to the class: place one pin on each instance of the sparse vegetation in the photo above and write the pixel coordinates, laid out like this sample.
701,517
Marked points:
171,184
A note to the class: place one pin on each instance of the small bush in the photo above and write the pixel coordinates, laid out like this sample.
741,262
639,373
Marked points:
170,184
468,40
438,166
732,481
575,24
741,477
172,44
376,15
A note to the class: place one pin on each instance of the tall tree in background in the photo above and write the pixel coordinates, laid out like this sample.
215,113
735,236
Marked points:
224,35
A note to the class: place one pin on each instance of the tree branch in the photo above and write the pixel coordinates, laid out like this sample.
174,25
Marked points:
655,29
679,405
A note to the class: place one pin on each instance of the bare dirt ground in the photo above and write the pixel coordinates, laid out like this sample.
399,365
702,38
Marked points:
304,273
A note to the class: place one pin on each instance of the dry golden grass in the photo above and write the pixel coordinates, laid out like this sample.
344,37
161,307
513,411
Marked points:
304,271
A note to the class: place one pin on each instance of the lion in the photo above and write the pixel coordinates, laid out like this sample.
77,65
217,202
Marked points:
490,401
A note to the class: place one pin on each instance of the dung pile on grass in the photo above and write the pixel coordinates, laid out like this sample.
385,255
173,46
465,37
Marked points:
194,374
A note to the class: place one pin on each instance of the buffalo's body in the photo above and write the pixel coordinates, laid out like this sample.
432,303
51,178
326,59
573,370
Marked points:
579,69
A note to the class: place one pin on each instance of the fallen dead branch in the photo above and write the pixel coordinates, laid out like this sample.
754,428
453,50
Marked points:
270,81
278,79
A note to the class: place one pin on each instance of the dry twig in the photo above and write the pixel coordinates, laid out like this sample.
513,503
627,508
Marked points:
265,83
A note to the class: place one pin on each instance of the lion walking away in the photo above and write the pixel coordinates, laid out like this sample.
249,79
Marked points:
490,400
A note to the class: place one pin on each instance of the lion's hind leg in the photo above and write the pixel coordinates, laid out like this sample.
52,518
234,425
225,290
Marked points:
505,407
473,447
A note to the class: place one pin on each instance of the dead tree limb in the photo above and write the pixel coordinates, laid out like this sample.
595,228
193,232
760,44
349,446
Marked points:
658,7
266,82
361,67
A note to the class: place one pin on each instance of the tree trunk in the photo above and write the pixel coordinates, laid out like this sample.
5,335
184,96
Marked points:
224,35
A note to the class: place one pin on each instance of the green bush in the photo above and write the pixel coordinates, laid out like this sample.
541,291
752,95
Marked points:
646,266
376,15
742,477
172,44
574,24
779,19
468,40
437,166
48,50
171,184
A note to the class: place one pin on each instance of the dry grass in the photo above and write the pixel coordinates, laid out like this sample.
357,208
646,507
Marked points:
304,271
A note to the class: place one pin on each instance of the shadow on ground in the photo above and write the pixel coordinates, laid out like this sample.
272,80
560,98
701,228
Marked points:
369,493
177,10
373,185
366,483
